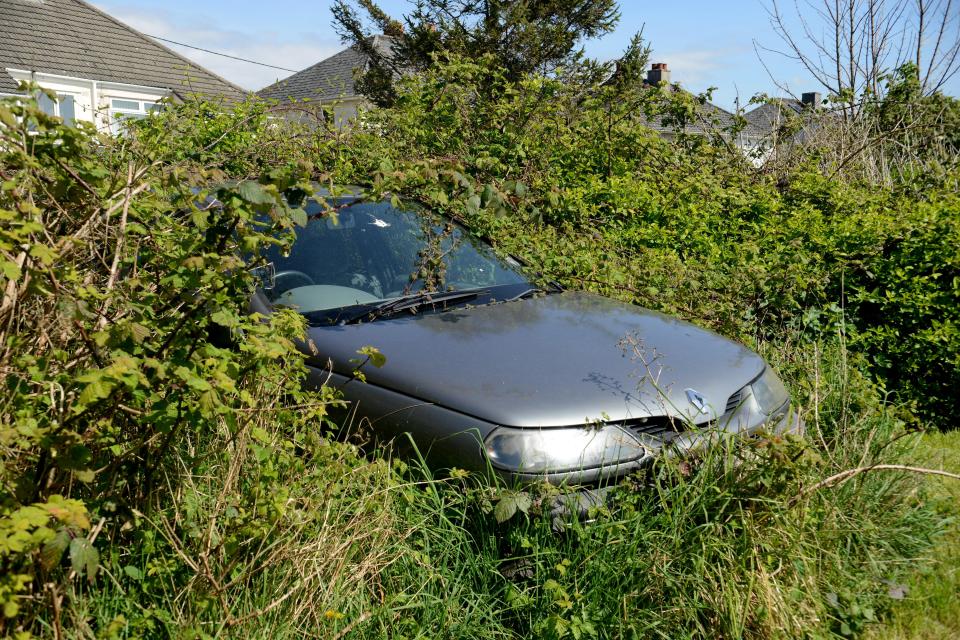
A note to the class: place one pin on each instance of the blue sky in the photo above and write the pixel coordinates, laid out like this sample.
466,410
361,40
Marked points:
705,43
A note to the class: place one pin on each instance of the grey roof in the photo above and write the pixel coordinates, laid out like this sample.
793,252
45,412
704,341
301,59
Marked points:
73,38
709,118
333,78
7,84
770,115
329,79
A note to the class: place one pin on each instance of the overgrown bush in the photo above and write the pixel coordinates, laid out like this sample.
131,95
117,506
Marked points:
137,450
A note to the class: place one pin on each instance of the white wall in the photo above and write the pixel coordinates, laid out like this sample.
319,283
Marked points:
92,98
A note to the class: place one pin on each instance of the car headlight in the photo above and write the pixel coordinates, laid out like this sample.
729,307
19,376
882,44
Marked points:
561,449
769,391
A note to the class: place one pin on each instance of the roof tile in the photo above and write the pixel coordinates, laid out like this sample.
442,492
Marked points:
329,79
71,37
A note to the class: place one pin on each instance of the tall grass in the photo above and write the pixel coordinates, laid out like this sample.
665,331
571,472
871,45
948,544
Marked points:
725,546
930,608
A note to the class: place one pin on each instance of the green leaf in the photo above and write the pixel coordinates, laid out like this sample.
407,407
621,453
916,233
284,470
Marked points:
7,117
299,217
509,503
225,318
255,193
199,218
209,402
523,502
44,254
98,388
84,557
376,358
506,507
53,549
488,194
10,269
139,333
473,205
85,475
133,572
192,379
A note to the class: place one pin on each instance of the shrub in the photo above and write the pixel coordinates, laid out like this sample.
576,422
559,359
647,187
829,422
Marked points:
119,409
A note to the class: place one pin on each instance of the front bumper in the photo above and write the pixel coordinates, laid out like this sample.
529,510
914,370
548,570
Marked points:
579,500
745,421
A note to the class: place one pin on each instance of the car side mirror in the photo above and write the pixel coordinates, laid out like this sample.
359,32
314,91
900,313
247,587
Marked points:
265,276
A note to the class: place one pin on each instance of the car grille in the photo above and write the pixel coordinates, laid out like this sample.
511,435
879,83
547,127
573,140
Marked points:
663,428
666,428
734,401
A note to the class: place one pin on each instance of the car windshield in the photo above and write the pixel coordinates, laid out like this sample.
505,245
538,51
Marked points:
371,252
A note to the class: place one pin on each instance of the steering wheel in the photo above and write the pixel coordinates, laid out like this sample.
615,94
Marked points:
291,273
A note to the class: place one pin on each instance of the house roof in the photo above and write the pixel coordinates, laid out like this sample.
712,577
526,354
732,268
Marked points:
333,78
709,118
8,85
74,38
770,115
329,79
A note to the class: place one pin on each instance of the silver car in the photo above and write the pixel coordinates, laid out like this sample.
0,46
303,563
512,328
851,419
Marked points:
486,370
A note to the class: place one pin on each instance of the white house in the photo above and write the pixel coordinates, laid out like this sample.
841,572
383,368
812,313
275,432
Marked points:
102,70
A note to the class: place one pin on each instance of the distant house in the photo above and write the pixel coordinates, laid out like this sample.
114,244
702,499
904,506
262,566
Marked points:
770,117
332,82
101,70
708,118
328,82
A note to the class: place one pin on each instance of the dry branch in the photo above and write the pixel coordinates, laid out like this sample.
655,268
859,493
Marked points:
843,476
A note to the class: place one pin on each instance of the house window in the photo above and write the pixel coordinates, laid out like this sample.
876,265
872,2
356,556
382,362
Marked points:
125,110
64,106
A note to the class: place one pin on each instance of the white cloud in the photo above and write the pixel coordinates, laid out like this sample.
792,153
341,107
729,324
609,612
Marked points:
290,51
732,70
694,67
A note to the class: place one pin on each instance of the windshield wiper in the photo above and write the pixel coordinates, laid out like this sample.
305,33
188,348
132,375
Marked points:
411,301
528,293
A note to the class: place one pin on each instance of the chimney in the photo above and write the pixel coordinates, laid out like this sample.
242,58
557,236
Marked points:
811,100
658,73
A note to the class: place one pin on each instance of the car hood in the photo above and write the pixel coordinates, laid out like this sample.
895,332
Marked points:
555,360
